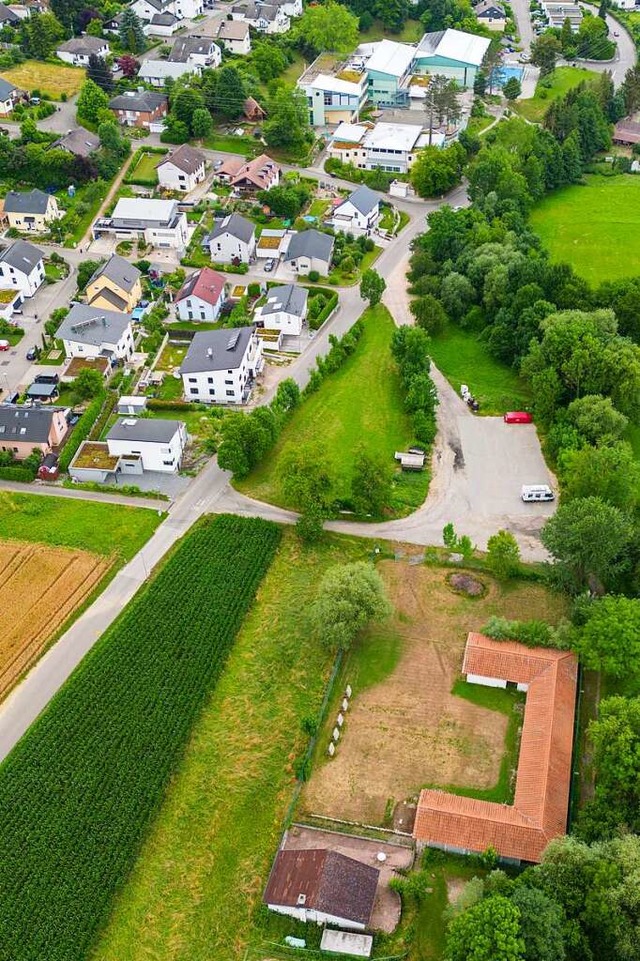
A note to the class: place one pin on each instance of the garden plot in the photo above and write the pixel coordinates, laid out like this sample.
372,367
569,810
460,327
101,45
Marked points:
42,586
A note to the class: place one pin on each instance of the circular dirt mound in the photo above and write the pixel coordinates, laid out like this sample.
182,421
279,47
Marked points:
467,584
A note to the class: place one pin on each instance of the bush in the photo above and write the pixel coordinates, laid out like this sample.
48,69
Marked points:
81,431
17,473
314,276
530,633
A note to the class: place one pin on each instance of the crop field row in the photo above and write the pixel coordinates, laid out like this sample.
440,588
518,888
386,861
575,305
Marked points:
79,791
43,586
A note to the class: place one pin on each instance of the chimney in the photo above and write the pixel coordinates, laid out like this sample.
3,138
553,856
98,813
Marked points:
209,352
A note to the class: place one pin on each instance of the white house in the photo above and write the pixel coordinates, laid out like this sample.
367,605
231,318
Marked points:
232,240
292,8
158,222
161,25
90,332
359,213
221,366
154,444
285,309
183,169
322,886
263,17
155,72
78,50
235,37
201,51
310,250
8,96
182,9
21,268
201,296
388,146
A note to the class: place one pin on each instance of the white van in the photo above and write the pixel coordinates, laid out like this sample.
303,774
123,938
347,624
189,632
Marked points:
536,492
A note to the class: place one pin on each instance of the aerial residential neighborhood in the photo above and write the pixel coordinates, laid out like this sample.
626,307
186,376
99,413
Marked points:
319,480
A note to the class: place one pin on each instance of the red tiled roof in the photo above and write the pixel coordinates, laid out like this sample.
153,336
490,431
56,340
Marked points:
539,811
259,172
207,284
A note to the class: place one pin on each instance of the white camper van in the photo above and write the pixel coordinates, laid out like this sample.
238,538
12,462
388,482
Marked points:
536,492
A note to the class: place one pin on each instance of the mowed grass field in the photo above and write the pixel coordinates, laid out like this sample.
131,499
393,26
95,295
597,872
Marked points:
562,80
146,166
464,359
593,227
199,878
45,585
49,78
360,404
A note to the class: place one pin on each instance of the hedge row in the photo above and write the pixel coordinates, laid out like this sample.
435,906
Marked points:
107,410
81,431
17,473
131,175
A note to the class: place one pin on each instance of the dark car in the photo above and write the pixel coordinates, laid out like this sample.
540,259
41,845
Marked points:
32,353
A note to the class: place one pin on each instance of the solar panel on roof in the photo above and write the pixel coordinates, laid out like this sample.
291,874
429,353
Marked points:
233,340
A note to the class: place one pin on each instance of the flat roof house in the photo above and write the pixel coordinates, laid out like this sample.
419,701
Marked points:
115,285
31,210
89,331
359,213
159,222
285,309
157,443
21,268
23,428
201,296
389,146
232,240
9,94
183,169
235,37
557,13
78,50
336,91
79,142
451,53
221,366
139,109
310,250
322,886
521,831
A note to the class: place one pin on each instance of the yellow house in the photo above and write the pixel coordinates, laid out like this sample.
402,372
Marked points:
32,210
115,286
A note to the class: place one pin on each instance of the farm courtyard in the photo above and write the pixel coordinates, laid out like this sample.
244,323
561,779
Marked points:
409,727
593,227
51,79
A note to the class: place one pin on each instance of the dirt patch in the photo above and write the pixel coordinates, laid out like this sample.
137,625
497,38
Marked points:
455,887
42,586
464,583
409,731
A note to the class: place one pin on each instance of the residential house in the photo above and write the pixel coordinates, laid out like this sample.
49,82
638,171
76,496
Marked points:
626,132
112,25
389,69
263,17
8,18
79,142
323,887
150,444
336,92
156,72
78,50
158,222
557,13
21,268
248,176
115,285
77,364
24,428
140,108
451,53
201,296
272,243
9,95
221,366
131,404
31,210
234,36
252,111
310,250
518,832
359,213
232,240
491,15
161,25
89,331
183,169
387,146
182,9
196,50
285,309
292,8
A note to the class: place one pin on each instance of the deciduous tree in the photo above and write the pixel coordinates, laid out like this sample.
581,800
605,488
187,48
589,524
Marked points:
329,26
488,931
503,554
371,484
372,287
350,597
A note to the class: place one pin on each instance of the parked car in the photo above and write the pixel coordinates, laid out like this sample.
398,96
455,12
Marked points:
269,266
536,492
32,353
73,418
615,33
4,345
518,417
218,164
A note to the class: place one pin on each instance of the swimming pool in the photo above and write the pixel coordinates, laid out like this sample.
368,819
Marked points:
500,75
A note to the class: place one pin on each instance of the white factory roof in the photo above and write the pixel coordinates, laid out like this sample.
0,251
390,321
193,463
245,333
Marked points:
393,136
391,57
455,45
350,132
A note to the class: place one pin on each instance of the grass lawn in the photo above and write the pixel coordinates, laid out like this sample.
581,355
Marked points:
192,325
63,522
145,169
172,356
85,219
54,272
593,227
245,146
14,337
169,389
563,79
55,355
463,359
50,78
197,884
410,33
348,280
359,404
294,70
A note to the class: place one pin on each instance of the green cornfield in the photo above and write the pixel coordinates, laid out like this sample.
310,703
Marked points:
78,792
